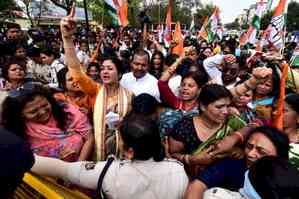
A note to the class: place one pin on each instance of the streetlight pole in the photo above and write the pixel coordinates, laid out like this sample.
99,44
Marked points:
87,23
159,11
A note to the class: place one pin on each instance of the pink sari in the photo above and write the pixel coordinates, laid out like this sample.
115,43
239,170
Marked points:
50,141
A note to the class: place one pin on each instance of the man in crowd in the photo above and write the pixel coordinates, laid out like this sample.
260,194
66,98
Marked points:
139,80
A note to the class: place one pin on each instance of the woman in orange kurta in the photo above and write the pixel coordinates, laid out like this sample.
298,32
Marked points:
111,102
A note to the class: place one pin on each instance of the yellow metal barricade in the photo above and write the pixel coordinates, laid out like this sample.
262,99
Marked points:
38,187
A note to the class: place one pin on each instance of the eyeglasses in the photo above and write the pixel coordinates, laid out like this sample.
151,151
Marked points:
26,89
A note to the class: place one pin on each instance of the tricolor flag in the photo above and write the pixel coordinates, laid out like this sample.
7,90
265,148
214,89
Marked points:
275,31
250,35
178,38
210,26
118,10
269,4
167,33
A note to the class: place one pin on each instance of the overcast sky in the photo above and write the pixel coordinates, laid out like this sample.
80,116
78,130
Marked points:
230,9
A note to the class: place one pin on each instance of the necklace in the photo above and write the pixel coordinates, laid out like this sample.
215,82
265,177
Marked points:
203,130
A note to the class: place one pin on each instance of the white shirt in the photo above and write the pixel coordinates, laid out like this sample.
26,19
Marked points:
147,84
233,84
83,58
40,72
55,67
174,84
124,179
210,65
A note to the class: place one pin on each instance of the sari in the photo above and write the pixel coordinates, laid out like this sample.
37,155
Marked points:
98,95
51,141
232,124
107,141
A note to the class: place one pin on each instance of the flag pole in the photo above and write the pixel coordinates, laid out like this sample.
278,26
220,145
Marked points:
284,34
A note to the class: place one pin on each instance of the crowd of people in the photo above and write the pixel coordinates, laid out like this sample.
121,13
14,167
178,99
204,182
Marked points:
122,115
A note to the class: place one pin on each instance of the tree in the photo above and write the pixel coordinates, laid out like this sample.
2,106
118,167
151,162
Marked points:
97,9
6,7
233,26
180,12
293,16
203,12
64,4
266,19
34,10
100,14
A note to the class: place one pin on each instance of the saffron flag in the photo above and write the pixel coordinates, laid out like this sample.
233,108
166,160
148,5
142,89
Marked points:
275,33
211,26
118,10
95,53
278,118
178,38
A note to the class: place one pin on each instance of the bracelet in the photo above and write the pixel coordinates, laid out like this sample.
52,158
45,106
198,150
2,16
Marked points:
240,136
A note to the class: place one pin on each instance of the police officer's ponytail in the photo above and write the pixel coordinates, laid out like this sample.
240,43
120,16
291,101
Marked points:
142,135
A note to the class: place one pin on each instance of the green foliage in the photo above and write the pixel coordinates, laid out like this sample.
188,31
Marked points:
233,26
203,12
266,19
64,4
6,8
293,16
179,13
6,5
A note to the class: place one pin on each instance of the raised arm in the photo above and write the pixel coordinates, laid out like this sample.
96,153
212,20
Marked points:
68,28
259,75
166,94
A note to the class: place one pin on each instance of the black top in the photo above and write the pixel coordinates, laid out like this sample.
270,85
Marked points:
16,158
185,132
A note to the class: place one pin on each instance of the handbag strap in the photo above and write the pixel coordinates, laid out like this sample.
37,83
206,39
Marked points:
99,194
